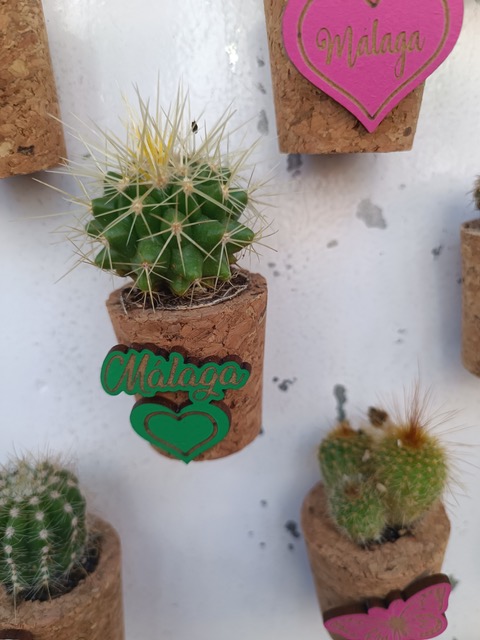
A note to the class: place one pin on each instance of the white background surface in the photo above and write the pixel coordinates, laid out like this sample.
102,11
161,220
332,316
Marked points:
203,558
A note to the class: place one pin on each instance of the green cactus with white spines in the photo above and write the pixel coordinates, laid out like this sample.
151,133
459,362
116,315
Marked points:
385,476
170,200
413,468
42,526
358,509
355,504
344,452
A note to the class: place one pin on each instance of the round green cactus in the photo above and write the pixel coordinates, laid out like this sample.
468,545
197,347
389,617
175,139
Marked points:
412,466
164,206
358,510
42,526
344,453
184,233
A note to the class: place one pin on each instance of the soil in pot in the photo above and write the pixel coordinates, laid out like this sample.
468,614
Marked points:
232,326
93,610
345,573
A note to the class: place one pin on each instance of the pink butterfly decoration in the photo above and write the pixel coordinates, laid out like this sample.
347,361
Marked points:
416,614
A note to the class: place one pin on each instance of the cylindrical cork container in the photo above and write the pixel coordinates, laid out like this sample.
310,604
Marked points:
345,573
30,138
309,121
93,609
233,327
470,241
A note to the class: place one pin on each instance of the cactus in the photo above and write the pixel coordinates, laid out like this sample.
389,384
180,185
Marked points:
42,526
344,453
385,477
358,510
412,466
169,208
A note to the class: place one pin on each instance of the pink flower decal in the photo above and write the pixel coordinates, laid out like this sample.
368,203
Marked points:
416,614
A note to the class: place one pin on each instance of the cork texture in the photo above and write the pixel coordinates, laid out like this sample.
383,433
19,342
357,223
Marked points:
309,121
345,573
235,327
30,139
92,611
470,241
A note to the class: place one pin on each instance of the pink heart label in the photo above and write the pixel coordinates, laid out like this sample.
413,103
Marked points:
369,54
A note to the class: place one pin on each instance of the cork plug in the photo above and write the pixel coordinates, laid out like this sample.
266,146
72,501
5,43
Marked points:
31,136
470,243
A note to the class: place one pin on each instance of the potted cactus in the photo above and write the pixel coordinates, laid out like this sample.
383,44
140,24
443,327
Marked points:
376,524
60,569
171,212
470,243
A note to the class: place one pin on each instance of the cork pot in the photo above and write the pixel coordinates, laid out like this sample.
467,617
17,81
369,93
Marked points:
233,327
470,242
310,122
30,138
93,610
345,574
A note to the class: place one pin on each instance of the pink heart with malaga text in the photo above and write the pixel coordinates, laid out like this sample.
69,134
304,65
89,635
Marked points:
369,54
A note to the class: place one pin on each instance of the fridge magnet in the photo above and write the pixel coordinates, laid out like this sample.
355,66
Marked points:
376,524
31,135
417,613
470,243
186,431
349,78
60,569
172,208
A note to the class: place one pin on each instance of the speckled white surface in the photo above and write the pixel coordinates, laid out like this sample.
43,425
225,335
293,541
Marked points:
351,304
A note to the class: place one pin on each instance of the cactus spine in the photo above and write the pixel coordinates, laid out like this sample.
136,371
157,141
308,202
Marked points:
386,476
42,526
170,202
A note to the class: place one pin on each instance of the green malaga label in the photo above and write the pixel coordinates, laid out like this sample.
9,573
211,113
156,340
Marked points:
145,372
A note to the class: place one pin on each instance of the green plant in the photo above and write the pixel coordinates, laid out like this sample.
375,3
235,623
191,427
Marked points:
358,510
170,201
385,476
42,526
412,466
344,452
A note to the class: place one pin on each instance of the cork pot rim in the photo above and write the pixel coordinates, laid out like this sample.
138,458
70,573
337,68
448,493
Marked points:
46,614
256,284
471,228
340,546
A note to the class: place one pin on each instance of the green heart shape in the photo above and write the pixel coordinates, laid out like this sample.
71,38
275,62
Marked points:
184,433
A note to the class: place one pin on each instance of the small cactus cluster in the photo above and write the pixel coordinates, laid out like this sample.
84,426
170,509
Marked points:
42,526
168,212
382,477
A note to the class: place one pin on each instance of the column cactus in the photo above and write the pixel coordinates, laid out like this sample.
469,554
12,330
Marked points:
411,465
42,527
170,200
